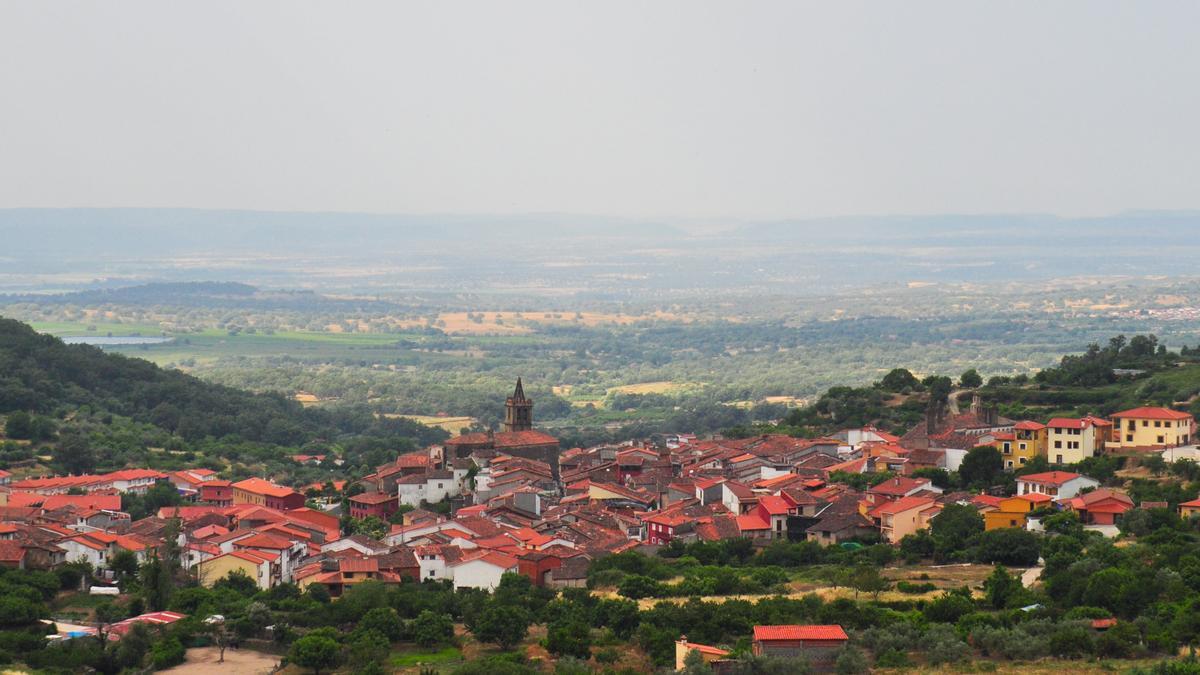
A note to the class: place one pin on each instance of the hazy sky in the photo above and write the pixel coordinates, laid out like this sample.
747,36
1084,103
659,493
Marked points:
644,108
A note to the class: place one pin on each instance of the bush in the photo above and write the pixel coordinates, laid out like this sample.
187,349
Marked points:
948,608
167,653
637,586
892,658
915,589
430,629
850,661
942,645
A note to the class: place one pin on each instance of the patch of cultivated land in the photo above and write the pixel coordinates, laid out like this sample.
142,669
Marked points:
454,425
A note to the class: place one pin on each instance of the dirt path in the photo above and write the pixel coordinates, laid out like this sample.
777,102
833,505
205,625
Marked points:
203,660
1030,576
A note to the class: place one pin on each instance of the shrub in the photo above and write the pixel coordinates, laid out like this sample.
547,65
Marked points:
948,608
915,589
942,645
167,653
637,586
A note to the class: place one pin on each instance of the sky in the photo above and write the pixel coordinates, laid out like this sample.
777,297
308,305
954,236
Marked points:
690,110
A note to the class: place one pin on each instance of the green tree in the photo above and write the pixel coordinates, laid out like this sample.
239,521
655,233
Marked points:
316,652
75,454
431,628
505,625
368,649
850,661
694,664
18,425
569,637
954,528
970,379
981,467
384,621
1001,587
867,579
899,379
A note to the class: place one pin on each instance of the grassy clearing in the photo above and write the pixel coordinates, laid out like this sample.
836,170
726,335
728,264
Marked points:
420,657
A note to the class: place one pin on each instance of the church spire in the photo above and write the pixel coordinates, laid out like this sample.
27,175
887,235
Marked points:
518,410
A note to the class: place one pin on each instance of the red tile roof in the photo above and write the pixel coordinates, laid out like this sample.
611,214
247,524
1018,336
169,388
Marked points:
796,632
1027,425
358,565
902,505
373,498
775,506
1152,413
1080,423
1049,477
259,486
751,522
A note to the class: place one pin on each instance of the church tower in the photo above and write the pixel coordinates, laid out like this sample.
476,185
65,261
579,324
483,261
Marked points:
518,410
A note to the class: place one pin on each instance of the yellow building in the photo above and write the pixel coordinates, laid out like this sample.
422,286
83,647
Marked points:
1013,511
902,517
254,565
1070,440
709,654
1189,509
1151,429
1027,440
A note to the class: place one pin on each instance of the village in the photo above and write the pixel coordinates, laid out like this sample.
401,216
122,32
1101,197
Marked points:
488,504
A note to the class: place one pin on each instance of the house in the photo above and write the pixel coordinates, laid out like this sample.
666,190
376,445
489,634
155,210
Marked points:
898,488
337,575
1018,447
538,566
83,548
905,516
660,528
1070,440
217,492
251,563
377,504
816,644
265,493
12,554
1058,484
683,648
1150,428
1013,511
1102,506
737,497
839,526
482,570
361,543
1189,509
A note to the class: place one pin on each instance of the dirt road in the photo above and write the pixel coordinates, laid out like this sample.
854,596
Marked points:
203,660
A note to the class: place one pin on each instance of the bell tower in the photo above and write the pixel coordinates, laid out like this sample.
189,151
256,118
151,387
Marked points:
518,410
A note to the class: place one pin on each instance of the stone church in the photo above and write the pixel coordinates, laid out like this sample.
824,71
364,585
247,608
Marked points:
517,436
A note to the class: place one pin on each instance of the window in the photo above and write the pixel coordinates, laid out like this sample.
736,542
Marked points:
1160,439
1128,438
1058,444
1021,446
1058,459
430,572
1022,460
1157,423
1145,423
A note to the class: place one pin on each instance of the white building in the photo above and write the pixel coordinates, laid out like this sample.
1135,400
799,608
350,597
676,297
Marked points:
482,571
1058,484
